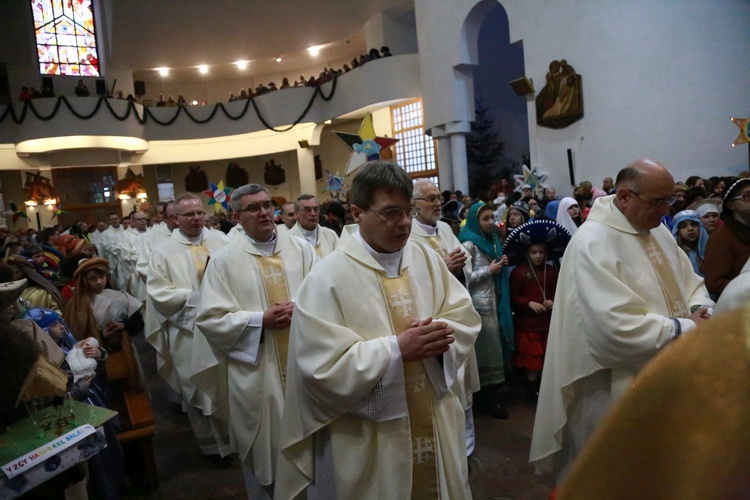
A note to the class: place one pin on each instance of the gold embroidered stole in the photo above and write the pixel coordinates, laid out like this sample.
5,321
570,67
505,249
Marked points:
318,250
434,242
274,283
665,275
199,255
397,292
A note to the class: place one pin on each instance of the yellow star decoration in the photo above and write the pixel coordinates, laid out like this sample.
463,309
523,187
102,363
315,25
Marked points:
744,136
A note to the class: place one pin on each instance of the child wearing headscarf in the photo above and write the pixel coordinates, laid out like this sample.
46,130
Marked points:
490,292
691,237
569,215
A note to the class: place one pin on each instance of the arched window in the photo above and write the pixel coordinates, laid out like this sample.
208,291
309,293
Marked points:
65,37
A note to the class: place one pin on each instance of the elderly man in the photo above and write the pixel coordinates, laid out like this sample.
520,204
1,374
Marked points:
628,291
176,269
427,228
137,231
244,317
379,331
307,213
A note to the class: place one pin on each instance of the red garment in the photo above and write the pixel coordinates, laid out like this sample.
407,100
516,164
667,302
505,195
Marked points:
531,328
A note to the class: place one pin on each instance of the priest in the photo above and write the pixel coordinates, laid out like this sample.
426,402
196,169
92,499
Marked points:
176,269
242,333
379,331
626,290
307,214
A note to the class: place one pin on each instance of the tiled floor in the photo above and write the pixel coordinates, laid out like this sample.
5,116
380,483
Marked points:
499,467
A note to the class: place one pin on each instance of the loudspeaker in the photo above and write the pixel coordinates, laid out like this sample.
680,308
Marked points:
101,87
303,143
522,86
139,86
4,85
47,82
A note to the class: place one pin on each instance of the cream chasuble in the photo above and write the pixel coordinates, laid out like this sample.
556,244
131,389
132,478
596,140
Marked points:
244,373
616,313
326,242
342,405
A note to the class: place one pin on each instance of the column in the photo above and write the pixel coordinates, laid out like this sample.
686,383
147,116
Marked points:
306,168
457,131
445,162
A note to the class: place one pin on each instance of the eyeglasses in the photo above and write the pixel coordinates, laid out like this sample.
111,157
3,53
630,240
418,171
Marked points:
744,196
431,199
191,215
661,202
310,210
395,214
255,208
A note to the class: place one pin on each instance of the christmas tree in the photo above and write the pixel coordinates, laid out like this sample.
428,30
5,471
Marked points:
483,146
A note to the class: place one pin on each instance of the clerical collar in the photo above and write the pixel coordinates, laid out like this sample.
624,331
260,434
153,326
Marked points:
390,262
310,236
430,230
265,248
194,240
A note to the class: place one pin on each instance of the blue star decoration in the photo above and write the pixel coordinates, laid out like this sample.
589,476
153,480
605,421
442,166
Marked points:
218,195
334,184
365,145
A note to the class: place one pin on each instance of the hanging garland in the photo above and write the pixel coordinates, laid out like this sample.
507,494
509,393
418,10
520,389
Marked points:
147,114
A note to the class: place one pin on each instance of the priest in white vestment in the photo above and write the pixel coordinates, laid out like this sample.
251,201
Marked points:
429,229
115,251
307,213
176,270
380,329
244,318
134,235
627,291
95,237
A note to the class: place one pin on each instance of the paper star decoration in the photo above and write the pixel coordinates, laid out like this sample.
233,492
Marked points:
365,145
744,132
15,213
218,195
58,211
532,177
334,184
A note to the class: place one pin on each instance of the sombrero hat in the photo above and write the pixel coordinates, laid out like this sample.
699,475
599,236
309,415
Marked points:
544,231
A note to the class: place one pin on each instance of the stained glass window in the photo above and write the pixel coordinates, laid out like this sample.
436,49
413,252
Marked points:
65,37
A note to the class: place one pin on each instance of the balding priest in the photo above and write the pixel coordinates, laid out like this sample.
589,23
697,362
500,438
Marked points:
379,331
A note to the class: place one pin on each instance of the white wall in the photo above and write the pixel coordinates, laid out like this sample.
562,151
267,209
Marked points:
660,79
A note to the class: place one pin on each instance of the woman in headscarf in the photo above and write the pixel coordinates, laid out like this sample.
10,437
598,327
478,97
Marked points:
569,214
490,291
691,237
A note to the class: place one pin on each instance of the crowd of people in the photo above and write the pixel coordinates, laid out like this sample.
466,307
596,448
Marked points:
311,341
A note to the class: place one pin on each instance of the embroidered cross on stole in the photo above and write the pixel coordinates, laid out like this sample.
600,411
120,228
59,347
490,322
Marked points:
665,275
199,255
275,286
434,242
397,292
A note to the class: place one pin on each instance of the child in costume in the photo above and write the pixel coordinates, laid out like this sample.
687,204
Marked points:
490,293
691,237
532,286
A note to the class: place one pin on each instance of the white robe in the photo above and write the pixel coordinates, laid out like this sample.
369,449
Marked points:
325,241
172,286
467,381
134,285
737,293
610,318
95,238
228,352
116,248
341,351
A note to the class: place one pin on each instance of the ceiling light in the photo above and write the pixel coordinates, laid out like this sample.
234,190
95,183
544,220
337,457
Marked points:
314,51
163,71
203,69
241,64
278,59
195,103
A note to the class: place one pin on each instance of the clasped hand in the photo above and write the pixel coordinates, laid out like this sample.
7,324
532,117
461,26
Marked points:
279,315
425,339
455,260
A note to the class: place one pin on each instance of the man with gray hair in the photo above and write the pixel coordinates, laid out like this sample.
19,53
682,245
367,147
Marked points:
245,307
379,330
628,291
176,269
307,213
135,286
